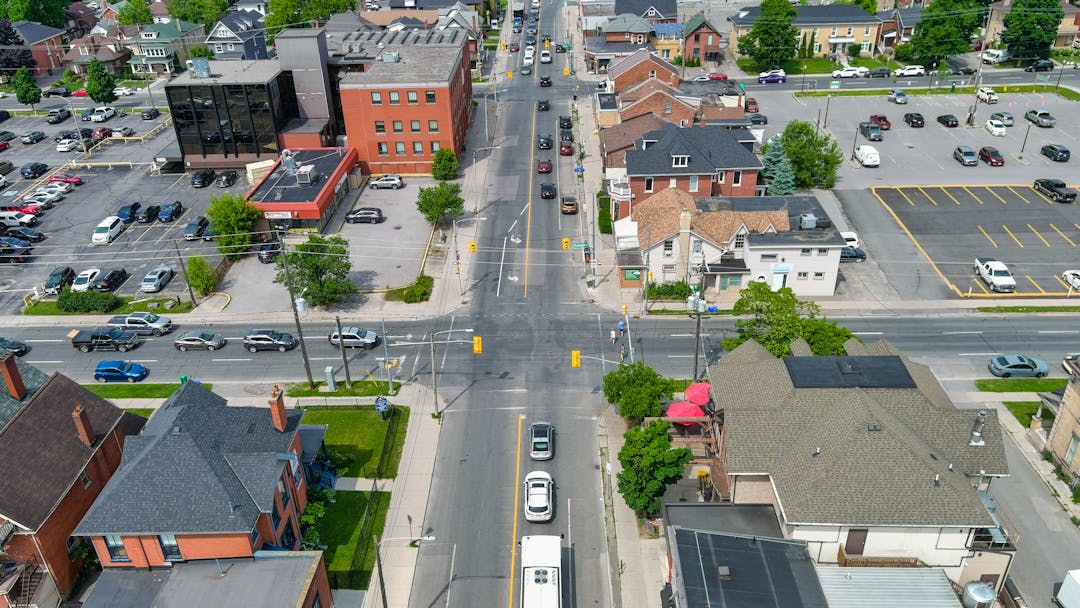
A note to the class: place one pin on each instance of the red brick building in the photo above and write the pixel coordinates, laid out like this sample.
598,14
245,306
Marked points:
639,67
46,45
701,39
59,446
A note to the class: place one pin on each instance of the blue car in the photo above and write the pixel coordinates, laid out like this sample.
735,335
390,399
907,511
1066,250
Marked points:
120,371
1007,366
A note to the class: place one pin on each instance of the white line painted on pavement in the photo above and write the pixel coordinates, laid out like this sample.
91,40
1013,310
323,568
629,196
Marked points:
679,356
35,362
324,358
681,335
42,340
228,360
510,390
977,354
144,360
958,333
1058,331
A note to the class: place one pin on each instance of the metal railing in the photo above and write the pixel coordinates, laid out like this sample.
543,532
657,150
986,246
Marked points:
620,189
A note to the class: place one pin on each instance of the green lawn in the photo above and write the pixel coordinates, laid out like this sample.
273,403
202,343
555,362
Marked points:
359,432
794,67
871,63
360,388
942,89
1020,385
147,390
1024,410
340,531
145,412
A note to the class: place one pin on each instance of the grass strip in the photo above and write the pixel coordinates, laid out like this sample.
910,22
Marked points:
145,412
359,388
1024,309
1020,385
145,390
1023,411
340,530
48,308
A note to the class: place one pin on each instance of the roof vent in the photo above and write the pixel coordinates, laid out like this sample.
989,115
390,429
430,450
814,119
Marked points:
817,452
289,162
305,174
875,427
201,67
977,438
849,366
807,221
391,57
937,480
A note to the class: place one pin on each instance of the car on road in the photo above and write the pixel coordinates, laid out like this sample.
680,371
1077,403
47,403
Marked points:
757,118
199,339
1072,279
772,78
545,56
1008,366
1055,152
150,114
269,339
1006,118
566,148
543,105
1041,118
56,92
539,497
366,215
871,131
120,371
846,73
566,135
777,72
914,119
147,214
525,70
717,76
995,128
879,72
32,137
127,211
543,166
1042,65
514,47
541,441
948,120
171,211
547,190
543,141
195,228
123,91
203,178
1055,190
545,81
565,122
881,121
991,156
24,234
568,205
83,280
910,70
965,155
156,279
14,347
391,181
354,337
963,70
225,179
33,170
60,277
852,254
109,279
986,95
897,96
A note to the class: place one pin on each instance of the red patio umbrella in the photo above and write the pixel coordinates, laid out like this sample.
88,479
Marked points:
684,409
698,393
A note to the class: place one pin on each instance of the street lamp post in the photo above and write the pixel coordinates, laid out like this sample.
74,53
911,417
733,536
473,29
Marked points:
1024,144
78,129
434,381
378,559
854,141
457,257
804,78
825,121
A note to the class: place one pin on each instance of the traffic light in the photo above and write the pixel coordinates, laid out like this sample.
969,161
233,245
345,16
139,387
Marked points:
575,358
477,345
472,246
566,243
624,310
547,44
504,45
566,71
510,74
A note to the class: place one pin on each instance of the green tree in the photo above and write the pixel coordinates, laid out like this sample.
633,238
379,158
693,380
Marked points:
776,318
445,165
782,183
49,12
205,12
14,54
440,201
772,40
1031,27
636,390
945,28
814,157
904,52
294,13
99,83
319,269
231,221
200,50
870,6
202,277
26,89
649,466
774,152
135,12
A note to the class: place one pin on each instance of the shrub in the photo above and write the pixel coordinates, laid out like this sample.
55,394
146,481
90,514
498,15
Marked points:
670,291
853,51
201,276
904,53
603,202
88,301
419,291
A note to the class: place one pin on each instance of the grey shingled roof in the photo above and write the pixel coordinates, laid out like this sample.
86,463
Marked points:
32,378
627,22
32,32
667,8
709,148
817,14
194,446
855,456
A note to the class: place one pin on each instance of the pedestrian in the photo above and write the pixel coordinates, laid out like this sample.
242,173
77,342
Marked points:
622,328
622,352
613,337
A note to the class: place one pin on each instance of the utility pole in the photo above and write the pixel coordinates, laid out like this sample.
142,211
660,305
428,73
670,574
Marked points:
648,268
183,268
296,313
386,358
695,304
434,382
979,69
341,347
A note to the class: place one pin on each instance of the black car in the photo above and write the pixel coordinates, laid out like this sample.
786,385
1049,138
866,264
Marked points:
948,120
268,252
195,228
543,142
59,278
545,81
33,170
86,114
757,118
547,190
1055,189
83,133
25,234
171,211
268,339
147,214
566,135
879,72
963,70
565,122
6,136
1055,152
33,137
203,178
127,212
17,255
852,254
543,105
150,114
13,346
58,116
4,115
914,119
1042,65
225,179
109,279
56,92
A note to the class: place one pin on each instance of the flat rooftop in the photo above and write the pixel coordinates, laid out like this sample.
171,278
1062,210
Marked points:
283,186
257,71
408,56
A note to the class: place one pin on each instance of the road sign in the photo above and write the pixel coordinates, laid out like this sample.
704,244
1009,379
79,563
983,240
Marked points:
834,85
580,245
579,169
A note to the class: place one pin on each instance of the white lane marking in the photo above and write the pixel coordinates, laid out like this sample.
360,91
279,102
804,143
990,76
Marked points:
868,333
958,333
679,356
35,341
509,390
338,358
36,362
229,360
1059,331
680,335
144,360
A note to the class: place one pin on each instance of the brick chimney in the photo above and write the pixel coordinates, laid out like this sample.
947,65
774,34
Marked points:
277,408
82,425
12,377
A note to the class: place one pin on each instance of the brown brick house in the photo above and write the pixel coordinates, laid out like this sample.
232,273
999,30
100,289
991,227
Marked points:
616,140
109,51
59,446
640,66
682,111
46,45
701,39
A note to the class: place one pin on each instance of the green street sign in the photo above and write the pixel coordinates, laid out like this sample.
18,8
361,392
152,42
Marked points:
580,245
834,85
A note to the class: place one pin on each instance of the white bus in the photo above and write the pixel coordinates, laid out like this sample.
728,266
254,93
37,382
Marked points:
541,572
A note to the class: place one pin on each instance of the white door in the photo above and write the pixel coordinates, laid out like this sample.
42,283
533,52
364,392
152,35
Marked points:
779,280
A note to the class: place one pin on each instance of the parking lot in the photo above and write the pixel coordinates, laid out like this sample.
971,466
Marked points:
954,224
115,150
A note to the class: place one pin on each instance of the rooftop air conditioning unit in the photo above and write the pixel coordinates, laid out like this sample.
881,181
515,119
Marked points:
807,221
392,57
305,174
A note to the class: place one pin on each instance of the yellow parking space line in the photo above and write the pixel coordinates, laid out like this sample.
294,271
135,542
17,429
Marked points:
1003,202
972,195
914,241
1009,232
901,193
949,194
928,197
1022,197
976,281
1032,228
1063,283
1042,196
992,242
1062,235
1037,286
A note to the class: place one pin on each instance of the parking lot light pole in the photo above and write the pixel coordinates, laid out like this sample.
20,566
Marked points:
804,78
78,133
1024,144
854,141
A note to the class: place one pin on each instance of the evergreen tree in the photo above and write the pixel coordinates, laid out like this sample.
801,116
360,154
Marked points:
782,182
774,153
13,52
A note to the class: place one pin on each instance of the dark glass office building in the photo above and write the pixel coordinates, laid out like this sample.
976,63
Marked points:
234,116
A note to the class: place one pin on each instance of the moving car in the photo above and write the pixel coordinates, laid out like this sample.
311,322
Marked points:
543,166
392,182
910,70
56,92
914,119
757,119
547,190
565,122
82,282
267,252
1007,366
202,178
879,72
1041,118
995,128
1042,65
543,141
545,81
1006,118
541,441
543,105
963,70
1055,152
539,495
568,205
14,347
269,339
991,156
367,215
772,77
156,279
199,339
545,56
59,278
123,91
354,337
965,155
751,105
120,371
848,72
948,120
717,76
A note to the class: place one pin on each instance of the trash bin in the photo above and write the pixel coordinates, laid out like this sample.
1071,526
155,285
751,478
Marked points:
953,90
588,254
301,305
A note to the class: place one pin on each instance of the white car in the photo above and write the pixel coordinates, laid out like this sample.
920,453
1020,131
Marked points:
986,95
545,56
851,238
61,187
910,70
123,132
50,195
390,181
846,73
530,50
702,78
868,156
102,114
527,61
1072,278
539,495
123,91
82,281
66,145
995,128
156,279
772,72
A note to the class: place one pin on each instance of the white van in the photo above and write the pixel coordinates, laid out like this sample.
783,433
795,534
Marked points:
868,156
993,56
14,219
107,230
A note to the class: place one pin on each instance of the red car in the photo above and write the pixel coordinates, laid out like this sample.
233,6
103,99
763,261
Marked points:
751,105
80,93
882,122
543,166
717,76
514,48
991,155
29,208
4,145
67,178
566,148
101,133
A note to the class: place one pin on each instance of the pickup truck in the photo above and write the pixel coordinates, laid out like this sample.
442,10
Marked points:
995,274
143,323
1055,190
103,338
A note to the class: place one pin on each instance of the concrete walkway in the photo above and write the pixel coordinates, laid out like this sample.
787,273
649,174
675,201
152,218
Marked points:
364,484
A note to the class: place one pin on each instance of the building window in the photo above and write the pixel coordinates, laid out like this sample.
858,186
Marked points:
666,53
412,98
399,127
866,32
433,126
418,148
395,98
720,176
399,148
697,37
232,47
667,108
380,126
683,123
376,98
823,251
710,43
648,184
275,518
734,280
817,47
414,126
806,252
849,31
736,178
383,149
255,537
696,246
169,549
740,240
115,545
84,479
680,161
1071,452
768,257
652,73
802,276
833,31
83,50
693,183
429,96
283,492
668,248
819,276
218,48
864,47
434,147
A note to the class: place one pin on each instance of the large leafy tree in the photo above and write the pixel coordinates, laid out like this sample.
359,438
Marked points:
649,466
294,13
49,12
13,52
231,221
26,89
636,389
946,28
135,12
1030,28
99,83
776,318
205,12
814,157
319,269
440,201
445,165
772,40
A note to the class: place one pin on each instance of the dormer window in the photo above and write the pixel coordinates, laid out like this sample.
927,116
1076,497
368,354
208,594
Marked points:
149,35
680,160
645,143
83,50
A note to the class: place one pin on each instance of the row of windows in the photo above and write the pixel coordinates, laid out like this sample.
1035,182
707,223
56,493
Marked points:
863,47
412,97
850,31
808,251
736,180
170,550
414,126
399,148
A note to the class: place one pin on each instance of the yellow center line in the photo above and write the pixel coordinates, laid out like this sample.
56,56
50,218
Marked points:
1032,228
949,194
909,201
972,195
991,191
928,197
1035,284
1022,197
1062,234
1009,232
992,242
517,497
528,221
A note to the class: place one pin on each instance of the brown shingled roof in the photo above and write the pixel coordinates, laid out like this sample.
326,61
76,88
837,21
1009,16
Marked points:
623,135
658,216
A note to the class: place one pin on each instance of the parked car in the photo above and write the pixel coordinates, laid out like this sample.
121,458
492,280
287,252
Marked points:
109,279
33,170
986,95
67,145
897,96
200,339
127,211
757,119
267,252
84,278
171,211
965,155
995,128
849,72
123,132
59,278
566,148
1055,152
568,205
387,181
565,122
57,116
366,215
156,279
910,70
1041,118
120,371
268,339
963,70
948,120
225,179
772,76
991,156
123,91
871,131
881,121
914,119
24,234
1006,118
1072,278
1055,189
150,113
1007,366
195,228
751,105
867,156
147,214
56,92
879,72
852,254
32,137
67,178
203,178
